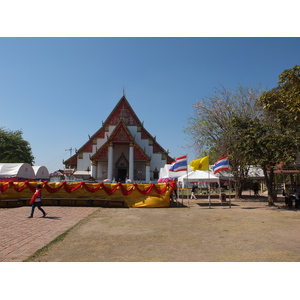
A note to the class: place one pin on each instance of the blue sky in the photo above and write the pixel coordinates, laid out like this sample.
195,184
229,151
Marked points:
59,90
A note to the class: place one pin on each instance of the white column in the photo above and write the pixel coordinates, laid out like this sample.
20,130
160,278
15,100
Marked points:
131,161
94,169
147,172
110,161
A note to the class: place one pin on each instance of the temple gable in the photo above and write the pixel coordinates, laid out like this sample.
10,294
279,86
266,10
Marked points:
123,112
121,149
121,134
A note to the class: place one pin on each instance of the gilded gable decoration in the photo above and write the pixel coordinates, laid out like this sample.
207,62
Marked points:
121,133
122,162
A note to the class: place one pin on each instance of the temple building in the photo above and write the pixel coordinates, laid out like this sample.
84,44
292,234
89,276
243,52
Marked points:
121,149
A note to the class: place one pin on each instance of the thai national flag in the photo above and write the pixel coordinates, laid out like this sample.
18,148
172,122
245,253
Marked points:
180,164
221,164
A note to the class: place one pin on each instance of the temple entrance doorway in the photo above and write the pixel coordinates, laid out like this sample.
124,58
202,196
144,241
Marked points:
122,174
122,166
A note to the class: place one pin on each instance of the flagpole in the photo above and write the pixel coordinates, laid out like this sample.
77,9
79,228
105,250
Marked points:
220,191
203,165
187,178
177,166
187,191
209,187
182,187
229,191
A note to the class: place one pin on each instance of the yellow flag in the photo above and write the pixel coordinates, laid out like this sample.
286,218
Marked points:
201,164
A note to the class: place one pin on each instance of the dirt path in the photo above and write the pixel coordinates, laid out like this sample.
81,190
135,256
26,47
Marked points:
249,231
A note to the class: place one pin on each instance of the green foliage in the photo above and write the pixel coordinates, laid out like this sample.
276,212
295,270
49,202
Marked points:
283,102
13,148
262,143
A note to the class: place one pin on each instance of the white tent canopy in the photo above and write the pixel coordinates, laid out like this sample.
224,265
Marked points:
23,171
41,172
199,176
20,170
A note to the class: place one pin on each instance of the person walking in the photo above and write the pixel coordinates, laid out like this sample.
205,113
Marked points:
36,201
193,192
288,197
297,198
256,188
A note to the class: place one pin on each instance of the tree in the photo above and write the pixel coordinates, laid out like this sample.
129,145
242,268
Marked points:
253,128
13,148
263,143
283,102
211,128
282,106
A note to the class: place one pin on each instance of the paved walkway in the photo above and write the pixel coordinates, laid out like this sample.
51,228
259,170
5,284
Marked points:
21,237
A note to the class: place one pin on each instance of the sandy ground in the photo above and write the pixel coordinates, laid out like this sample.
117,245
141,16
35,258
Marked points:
249,231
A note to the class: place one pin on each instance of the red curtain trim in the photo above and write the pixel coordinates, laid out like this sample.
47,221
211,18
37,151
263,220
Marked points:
125,191
4,187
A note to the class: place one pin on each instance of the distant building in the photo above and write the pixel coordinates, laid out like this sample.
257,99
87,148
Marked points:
121,149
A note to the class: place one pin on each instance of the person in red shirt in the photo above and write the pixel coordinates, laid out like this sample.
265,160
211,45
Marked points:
36,201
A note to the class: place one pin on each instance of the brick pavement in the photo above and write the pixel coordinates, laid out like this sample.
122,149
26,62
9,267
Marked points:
21,237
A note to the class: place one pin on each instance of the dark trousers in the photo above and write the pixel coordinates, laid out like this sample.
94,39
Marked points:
289,202
38,205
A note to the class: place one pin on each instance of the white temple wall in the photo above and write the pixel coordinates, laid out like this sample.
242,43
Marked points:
110,131
139,171
102,141
156,161
141,142
101,171
149,150
133,130
84,162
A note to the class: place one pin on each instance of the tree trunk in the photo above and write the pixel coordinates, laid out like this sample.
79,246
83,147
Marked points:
238,188
239,175
238,185
269,177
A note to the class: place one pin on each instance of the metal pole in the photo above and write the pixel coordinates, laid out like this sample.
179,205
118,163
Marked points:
182,187
229,192
187,178
209,188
